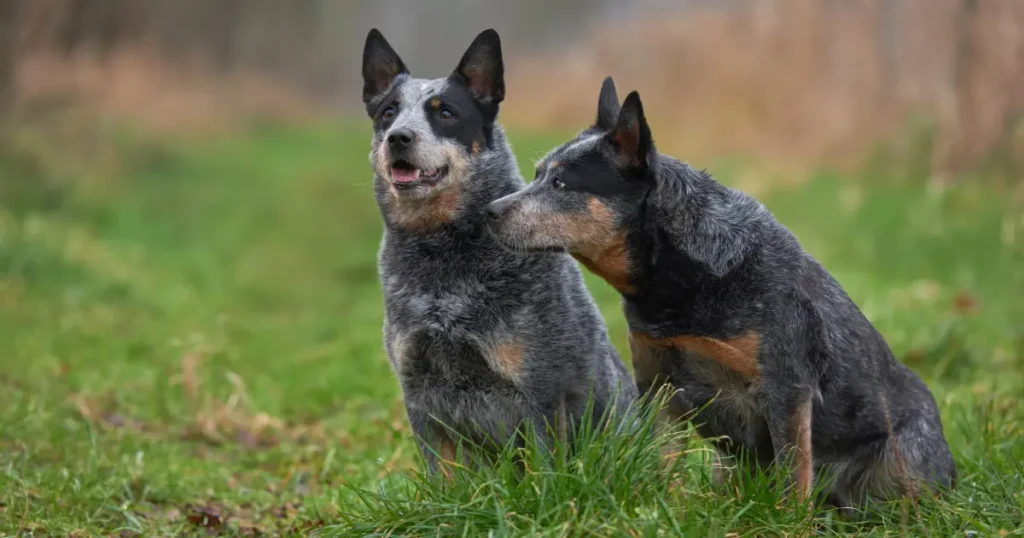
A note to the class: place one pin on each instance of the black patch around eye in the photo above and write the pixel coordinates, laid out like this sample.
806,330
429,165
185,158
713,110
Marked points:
593,173
375,107
471,122
390,100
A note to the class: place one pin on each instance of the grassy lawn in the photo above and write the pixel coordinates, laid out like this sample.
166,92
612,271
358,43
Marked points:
191,345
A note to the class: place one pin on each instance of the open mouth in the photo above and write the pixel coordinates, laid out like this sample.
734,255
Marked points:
406,176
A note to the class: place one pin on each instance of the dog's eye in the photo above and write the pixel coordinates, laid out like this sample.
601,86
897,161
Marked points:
447,114
388,113
557,183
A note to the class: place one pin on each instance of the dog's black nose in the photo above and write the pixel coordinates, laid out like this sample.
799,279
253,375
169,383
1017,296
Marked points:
495,209
400,138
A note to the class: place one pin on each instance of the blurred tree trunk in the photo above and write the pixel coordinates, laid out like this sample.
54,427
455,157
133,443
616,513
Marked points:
8,58
220,34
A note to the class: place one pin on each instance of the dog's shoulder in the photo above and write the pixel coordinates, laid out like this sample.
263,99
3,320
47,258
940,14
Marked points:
716,226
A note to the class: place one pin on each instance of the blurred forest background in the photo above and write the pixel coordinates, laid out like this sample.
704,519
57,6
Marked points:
794,82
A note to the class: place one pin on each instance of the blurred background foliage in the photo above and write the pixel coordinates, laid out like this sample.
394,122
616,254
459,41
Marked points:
189,306
796,83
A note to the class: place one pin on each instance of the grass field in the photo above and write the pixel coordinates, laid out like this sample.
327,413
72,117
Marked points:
191,343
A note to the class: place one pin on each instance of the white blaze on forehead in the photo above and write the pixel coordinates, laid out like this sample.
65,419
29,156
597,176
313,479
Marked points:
576,148
412,110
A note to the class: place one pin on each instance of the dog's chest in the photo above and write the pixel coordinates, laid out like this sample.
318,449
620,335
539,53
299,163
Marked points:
439,304
452,331
465,383
716,378
704,378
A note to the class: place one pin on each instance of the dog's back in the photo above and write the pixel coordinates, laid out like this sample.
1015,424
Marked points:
480,337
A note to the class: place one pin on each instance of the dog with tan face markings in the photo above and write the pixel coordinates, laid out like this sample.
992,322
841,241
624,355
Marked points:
483,340
725,306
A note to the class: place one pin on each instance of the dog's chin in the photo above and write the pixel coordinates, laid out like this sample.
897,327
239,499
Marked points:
407,181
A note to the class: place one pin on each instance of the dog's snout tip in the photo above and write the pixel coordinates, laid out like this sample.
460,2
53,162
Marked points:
401,137
494,211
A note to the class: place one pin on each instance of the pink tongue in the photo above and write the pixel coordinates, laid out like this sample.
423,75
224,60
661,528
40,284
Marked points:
404,175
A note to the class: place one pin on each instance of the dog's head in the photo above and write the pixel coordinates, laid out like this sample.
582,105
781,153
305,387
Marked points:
427,133
585,189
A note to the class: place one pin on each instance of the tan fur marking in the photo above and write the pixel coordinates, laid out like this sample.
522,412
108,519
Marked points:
645,365
650,363
447,454
803,472
397,355
508,360
553,164
435,103
476,147
738,354
423,215
602,249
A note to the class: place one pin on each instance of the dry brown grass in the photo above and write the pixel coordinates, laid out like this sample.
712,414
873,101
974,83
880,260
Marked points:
132,83
797,81
789,83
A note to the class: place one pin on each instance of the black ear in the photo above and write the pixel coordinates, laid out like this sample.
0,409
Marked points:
381,66
607,106
482,70
632,135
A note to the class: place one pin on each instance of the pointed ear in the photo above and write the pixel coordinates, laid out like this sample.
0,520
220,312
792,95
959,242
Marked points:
607,106
381,66
632,135
482,69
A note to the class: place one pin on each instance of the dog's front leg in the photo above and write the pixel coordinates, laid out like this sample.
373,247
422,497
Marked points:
436,445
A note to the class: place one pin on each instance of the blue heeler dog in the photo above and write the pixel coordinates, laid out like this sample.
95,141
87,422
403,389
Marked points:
481,338
724,305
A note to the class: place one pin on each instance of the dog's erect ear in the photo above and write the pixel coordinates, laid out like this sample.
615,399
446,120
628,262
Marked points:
482,70
632,135
381,65
607,106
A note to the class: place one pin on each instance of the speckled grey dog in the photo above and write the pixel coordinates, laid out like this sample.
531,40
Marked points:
480,337
724,305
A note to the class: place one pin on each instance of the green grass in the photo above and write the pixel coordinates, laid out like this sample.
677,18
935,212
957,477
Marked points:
190,337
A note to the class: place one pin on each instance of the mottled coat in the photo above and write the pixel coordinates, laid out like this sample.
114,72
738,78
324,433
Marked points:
724,305
481,338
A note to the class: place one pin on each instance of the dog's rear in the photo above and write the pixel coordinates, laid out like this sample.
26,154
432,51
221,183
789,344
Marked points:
482,339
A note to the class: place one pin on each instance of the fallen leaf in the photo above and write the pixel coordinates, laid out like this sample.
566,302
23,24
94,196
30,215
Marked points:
189,377
206,516
964,303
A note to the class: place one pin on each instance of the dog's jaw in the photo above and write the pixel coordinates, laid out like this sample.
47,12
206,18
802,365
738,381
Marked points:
516,244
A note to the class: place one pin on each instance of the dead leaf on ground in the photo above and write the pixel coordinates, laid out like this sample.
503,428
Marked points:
207,516
964,303
102,414
190,374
